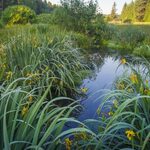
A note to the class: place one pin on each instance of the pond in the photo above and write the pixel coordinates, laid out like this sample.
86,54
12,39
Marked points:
107,69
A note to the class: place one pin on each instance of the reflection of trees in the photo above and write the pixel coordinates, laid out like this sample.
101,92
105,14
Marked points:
96,60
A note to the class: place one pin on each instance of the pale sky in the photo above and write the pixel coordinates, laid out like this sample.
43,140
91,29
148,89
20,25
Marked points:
105,5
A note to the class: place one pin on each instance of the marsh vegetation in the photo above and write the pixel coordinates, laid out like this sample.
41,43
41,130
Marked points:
46,52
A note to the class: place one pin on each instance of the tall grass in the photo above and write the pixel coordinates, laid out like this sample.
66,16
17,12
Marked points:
124,115
44,60
31,121
36,73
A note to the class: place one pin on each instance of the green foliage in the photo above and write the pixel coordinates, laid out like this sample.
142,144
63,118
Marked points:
34,121
1,24
136,11
39,62
44,19
18,15
147,13
77,14
128,12
143,50
39,6
129,110
41,55
130,38
140,8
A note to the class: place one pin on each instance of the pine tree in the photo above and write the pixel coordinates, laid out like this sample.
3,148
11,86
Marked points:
123,12
113,14
140,8
147,12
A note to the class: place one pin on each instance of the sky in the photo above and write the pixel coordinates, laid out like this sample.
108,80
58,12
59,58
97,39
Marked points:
105,5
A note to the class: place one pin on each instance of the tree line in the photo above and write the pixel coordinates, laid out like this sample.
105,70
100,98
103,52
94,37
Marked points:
39,6
138,10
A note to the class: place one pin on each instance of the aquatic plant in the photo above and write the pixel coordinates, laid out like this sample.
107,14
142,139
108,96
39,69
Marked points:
34,121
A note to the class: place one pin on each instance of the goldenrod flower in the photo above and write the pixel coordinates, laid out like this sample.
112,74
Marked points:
24,110
68,143
130,134
133,78
123,61
84,90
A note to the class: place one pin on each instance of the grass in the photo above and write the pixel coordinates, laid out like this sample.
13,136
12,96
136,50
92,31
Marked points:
44,58
39,69
126,123
130,38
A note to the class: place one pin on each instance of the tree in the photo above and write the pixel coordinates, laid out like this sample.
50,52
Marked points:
39,6
147,12
79,13
140,8
124,12
113,14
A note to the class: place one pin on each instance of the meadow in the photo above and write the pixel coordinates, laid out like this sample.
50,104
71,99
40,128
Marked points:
42,68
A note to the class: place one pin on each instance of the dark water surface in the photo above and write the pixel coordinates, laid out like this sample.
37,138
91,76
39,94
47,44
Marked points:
104,74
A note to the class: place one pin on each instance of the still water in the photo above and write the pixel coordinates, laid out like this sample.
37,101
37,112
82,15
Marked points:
105,72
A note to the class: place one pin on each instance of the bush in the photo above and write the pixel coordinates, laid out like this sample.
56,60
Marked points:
18,15
44,18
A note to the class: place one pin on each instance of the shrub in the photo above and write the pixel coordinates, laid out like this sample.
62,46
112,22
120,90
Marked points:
44,18
18,15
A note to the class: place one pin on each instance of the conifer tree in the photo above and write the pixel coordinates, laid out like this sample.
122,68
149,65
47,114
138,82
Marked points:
140,8
113,14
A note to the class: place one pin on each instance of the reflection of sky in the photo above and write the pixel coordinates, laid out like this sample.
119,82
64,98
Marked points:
103,80
105,5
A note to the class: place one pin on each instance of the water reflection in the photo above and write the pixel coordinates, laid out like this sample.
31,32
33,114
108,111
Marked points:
105,71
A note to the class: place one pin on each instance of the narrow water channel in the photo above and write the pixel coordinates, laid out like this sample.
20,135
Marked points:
105,73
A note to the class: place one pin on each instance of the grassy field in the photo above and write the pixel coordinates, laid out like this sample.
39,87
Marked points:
142,27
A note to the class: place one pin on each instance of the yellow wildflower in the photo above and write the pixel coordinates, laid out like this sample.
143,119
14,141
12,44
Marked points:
130,134
110,113
9,75
24,110
84,90
30,98
68,143
123,61
133,78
